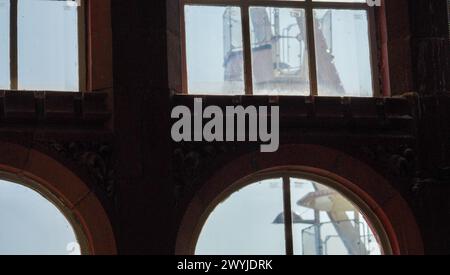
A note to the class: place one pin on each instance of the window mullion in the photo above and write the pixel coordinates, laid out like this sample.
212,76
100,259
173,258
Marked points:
247,48
81,18
374,57
13,45
288,216
184,79
311,48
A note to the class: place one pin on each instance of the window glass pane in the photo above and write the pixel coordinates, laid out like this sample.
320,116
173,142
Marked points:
342,52
214,53
47,45
326,223
279,51
246,222
32,225
4,45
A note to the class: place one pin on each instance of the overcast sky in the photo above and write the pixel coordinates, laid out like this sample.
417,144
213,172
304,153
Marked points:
243,223
30,224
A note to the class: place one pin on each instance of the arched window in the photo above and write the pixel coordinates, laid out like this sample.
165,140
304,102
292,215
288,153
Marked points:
35,223
324,221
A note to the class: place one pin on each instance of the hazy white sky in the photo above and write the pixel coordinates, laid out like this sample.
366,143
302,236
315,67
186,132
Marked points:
243,223
30,224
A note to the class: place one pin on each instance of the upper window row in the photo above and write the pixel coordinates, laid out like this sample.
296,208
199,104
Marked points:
40,38
279,47
271,47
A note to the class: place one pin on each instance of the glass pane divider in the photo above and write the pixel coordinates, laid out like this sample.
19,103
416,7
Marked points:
13,45
82,64
311,50
184,81
246,42
374,54
288,216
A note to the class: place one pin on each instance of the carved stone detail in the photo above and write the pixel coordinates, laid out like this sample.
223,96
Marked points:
396,160
94,157
192,160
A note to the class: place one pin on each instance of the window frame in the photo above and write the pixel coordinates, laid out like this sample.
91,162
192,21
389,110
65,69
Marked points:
94,50
308,6
284,173
13,45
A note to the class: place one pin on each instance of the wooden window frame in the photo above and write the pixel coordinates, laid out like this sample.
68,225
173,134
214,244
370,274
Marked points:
308,6
94,50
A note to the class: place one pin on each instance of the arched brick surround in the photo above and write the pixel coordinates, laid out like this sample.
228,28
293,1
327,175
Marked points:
41,172
353,175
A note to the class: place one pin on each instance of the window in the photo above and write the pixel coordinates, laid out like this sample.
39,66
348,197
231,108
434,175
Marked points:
322,222
32,225
278,47
41,40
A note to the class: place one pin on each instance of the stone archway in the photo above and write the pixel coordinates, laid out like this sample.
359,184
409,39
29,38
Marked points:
350,174
44,174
